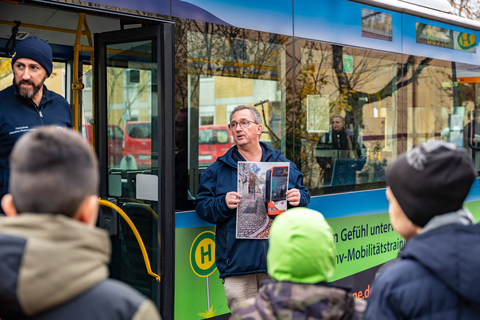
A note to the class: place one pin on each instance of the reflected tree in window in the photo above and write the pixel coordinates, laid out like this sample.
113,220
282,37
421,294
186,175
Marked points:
373,83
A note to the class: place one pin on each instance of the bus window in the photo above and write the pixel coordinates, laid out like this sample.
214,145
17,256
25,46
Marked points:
349,134
224,70
276,190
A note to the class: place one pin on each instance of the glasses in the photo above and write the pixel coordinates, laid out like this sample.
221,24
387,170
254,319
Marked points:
244,124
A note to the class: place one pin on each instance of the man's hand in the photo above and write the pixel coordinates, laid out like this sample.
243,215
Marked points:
233,199
293,197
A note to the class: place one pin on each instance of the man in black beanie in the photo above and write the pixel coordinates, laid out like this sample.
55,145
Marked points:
28,103
436,273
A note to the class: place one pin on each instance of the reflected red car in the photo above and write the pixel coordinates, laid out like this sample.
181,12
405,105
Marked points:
115,142
213,142
138,142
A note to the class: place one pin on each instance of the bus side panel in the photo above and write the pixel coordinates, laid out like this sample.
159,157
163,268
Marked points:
363,242
191,294
474,208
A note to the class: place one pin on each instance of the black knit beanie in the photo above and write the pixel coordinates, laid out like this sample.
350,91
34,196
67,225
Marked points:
36,49
431,180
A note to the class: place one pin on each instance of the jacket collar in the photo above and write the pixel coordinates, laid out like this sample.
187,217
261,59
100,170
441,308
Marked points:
47,95
462,216
271,155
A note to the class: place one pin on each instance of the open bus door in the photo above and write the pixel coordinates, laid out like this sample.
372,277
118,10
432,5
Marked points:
134,82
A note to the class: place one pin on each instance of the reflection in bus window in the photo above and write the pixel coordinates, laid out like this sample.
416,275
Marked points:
213,142
364,100
214,136
219,70
139,130
443,103
138,142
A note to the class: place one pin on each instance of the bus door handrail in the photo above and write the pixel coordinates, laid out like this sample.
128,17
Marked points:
135,231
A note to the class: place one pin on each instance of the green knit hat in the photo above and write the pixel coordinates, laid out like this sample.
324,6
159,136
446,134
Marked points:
302,248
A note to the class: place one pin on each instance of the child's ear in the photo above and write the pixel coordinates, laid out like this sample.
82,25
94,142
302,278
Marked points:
88,211
8,206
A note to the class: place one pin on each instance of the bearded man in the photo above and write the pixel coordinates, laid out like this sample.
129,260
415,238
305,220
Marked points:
28,103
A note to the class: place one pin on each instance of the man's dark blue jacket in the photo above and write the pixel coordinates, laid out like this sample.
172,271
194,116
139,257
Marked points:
237,256
436,277
19,115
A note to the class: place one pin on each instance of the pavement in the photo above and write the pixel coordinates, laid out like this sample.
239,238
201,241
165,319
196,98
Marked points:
252,218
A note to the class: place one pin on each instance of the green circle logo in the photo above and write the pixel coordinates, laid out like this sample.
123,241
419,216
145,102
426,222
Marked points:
202,254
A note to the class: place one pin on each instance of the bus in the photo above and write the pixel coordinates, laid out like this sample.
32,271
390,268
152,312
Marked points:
399,73
276,186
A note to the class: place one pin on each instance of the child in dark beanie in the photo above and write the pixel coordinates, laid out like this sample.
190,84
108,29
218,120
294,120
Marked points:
436,274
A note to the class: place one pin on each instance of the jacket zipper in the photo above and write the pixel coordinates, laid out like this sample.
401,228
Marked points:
41,116
265,252
227,250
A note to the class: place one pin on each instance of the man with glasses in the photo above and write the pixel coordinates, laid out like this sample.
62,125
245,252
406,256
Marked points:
241,262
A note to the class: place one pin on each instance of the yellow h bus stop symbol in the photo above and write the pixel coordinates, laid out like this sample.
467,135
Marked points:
202,254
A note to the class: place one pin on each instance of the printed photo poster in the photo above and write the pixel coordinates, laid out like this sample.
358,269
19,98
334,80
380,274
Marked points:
263,186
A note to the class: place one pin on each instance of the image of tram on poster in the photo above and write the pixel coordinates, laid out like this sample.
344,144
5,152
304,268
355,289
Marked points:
263,186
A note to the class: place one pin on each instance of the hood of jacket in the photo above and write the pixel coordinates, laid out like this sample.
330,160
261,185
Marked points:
451,253
227,157
301,248
47,260
288,301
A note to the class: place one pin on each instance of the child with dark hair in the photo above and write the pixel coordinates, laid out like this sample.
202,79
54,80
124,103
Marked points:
54,262
436,273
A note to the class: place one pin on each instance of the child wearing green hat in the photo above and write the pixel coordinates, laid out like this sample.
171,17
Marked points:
300,260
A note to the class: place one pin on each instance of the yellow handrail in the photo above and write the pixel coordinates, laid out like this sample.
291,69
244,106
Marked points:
75,84
135,231
92,61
